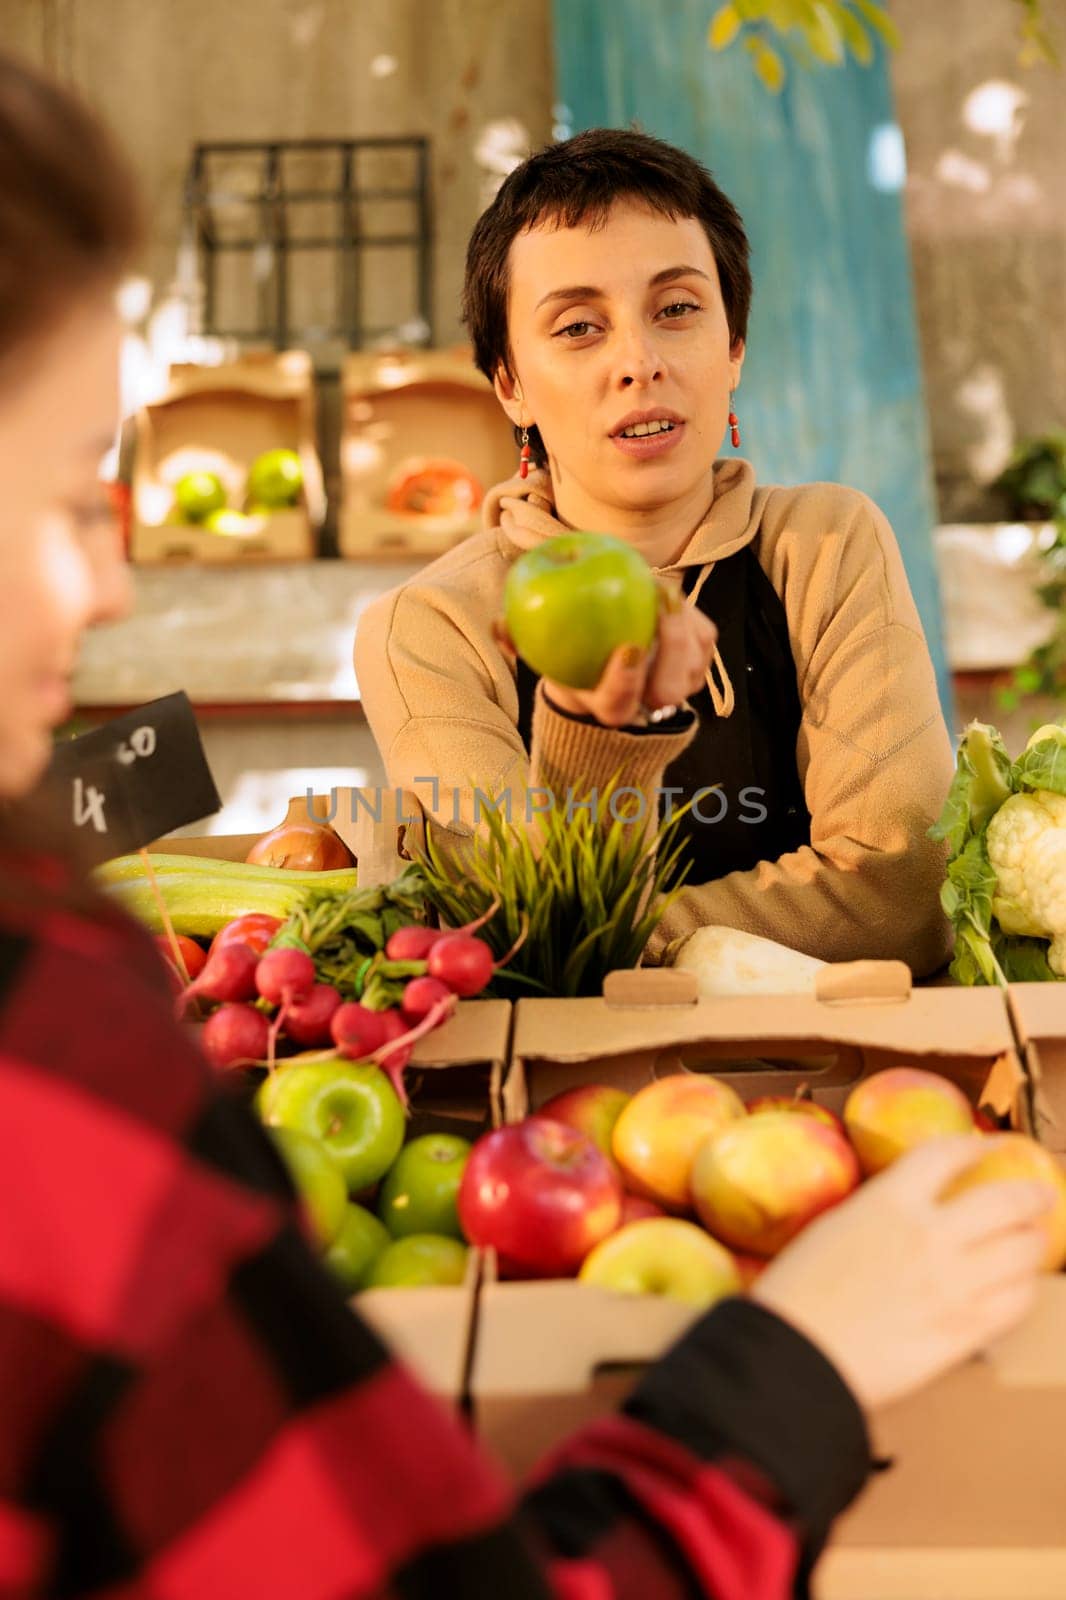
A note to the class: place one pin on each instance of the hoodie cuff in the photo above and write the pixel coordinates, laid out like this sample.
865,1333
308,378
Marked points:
577,755
743,1382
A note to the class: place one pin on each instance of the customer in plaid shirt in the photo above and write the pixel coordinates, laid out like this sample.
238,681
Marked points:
188,1408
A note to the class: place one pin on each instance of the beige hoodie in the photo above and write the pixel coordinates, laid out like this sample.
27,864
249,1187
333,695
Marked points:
873,753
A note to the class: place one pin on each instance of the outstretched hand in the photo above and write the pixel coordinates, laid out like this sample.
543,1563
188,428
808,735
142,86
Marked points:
635,680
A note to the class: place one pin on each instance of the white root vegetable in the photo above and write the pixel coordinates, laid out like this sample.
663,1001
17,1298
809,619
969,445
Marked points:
729,962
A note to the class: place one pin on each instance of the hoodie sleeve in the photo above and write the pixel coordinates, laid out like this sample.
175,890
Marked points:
873,753
442,705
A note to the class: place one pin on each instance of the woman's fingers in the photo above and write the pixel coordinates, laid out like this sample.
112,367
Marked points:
617,698
668,675
685,648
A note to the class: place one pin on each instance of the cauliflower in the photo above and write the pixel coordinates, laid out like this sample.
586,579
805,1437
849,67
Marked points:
1027,851
1004,824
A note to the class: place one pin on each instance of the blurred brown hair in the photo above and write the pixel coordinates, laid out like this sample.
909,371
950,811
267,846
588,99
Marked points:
70,225
70,217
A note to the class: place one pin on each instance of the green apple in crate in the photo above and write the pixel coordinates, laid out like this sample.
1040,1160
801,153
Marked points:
198,494
275,480
317,1180
361,1240
420,1188
422,1260
349,1105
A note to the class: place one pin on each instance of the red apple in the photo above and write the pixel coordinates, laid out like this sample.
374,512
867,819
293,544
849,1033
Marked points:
760,1181
901,1107
657,1136
594,1108
541,1195
794,1104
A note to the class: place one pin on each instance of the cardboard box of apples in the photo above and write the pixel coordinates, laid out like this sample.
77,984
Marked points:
226,465
740,1121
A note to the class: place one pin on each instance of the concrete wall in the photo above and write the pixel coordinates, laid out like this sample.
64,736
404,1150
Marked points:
986,211
169,72
986,217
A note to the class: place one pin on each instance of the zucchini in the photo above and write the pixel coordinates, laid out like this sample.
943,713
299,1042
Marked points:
126,869
200,903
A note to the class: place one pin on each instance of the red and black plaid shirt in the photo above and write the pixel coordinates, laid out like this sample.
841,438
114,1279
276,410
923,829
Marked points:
189,1410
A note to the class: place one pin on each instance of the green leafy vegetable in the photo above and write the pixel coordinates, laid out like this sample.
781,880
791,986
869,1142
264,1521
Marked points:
588,893
344,932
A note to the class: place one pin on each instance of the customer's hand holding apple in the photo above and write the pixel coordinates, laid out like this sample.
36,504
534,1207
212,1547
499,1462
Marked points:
897,1285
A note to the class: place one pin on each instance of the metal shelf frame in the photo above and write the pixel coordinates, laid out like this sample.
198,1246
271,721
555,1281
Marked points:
282,247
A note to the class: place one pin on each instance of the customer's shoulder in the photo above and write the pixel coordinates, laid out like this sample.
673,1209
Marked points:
84,998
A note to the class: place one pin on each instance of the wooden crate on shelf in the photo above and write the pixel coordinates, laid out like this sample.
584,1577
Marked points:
423,438
220,419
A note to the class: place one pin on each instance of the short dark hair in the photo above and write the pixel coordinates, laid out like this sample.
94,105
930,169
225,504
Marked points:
576,182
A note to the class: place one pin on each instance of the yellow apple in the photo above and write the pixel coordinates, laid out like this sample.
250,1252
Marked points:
759,1182
658,1133
899,1108
664,1256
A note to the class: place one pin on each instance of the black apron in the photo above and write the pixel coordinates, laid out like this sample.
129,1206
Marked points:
757,811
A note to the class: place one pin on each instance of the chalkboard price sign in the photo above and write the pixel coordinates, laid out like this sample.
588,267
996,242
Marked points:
138,777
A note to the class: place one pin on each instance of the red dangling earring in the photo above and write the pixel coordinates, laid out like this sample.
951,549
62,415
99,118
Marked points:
734,423
523,460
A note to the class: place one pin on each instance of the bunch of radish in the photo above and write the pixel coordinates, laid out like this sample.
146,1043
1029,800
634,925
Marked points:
264,994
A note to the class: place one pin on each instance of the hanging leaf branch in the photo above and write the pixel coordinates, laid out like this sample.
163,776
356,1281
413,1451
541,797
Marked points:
828,32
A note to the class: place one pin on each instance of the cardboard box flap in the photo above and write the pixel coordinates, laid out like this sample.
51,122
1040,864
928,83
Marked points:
379,371
872,981
1039,1014
588,1329
431,1328
480,1030
1039,1011
650,986
955,1022
282,377
373,824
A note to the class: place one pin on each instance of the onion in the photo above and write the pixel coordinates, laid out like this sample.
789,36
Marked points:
302,847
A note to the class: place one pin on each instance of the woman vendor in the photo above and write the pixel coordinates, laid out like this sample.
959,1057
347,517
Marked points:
791,694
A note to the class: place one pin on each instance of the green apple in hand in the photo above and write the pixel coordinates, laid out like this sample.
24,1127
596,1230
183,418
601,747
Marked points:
357,1246
570,602
317,1180
418,1195
666,1256
420,1260
350,1105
